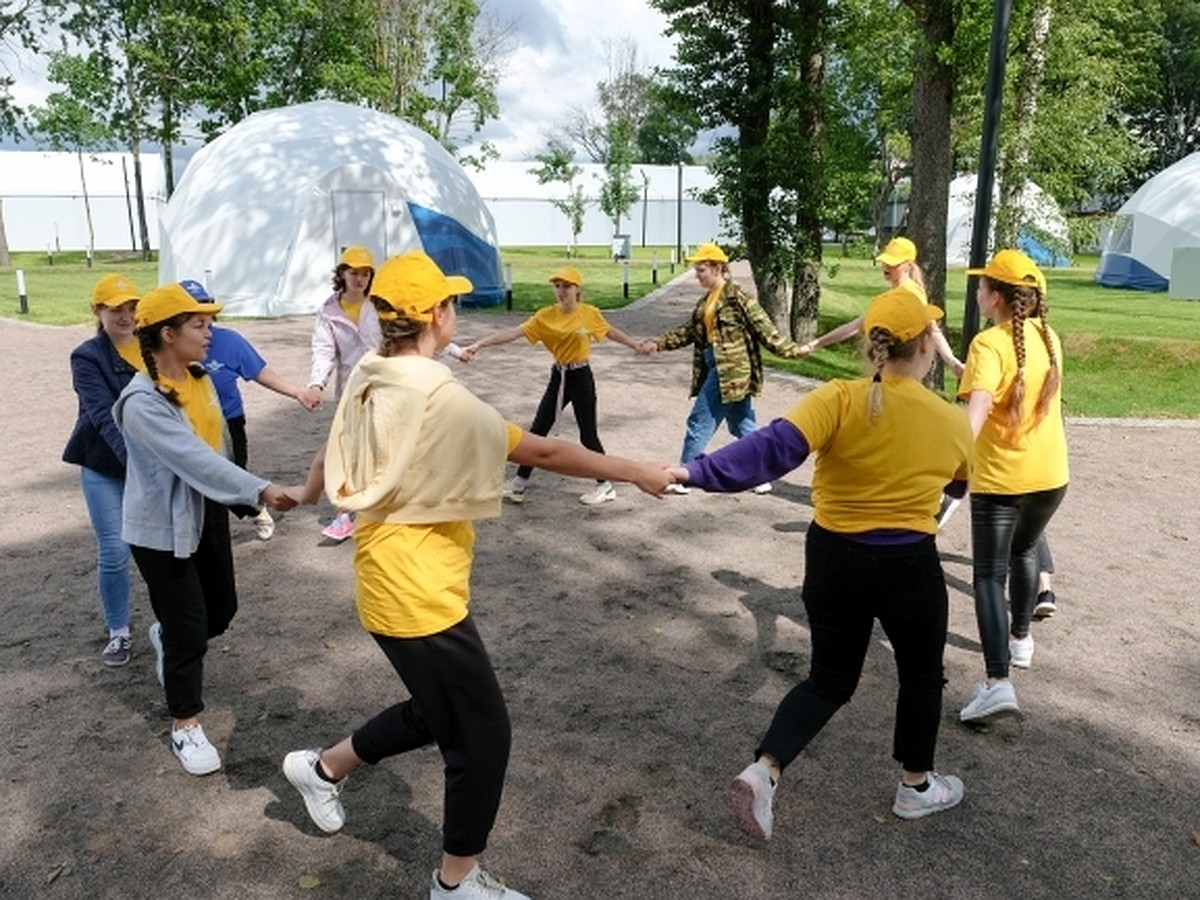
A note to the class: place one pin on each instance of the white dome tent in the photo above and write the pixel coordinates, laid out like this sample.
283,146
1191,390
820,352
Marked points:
1045,236
263,212
1162,216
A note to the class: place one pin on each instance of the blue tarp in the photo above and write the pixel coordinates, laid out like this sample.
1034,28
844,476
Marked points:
1039,252
1120,270
458,251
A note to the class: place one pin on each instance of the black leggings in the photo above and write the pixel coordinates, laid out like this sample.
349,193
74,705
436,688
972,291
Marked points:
580,392
1004,534
456,702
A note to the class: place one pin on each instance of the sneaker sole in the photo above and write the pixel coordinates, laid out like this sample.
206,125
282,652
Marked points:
1007,711
1044,612
923,811
115,663
199,772
289,762
742,798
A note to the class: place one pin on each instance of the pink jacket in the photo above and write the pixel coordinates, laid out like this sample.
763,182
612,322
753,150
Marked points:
337,343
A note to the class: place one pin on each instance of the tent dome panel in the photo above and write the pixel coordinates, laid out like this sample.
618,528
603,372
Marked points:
264,211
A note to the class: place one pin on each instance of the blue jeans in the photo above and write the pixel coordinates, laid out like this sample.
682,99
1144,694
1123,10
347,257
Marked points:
103,495
708,412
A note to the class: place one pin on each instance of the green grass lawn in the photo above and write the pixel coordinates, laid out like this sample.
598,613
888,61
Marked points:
1128,353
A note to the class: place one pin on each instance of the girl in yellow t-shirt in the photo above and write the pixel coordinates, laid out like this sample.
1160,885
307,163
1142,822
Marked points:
567,330
1013,389
886,448
899,262
419,457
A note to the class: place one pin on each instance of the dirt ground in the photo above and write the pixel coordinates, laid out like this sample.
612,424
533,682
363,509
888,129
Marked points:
642,647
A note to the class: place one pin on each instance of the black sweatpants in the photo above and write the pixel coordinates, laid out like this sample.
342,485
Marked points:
456,703
579,391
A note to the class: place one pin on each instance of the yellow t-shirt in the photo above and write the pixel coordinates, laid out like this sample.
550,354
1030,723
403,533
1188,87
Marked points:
709,314
883,472
351,308
568,336
199,401
1035,457
415,580
131,352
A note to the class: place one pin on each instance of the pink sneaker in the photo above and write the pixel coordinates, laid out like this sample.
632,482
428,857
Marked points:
340,528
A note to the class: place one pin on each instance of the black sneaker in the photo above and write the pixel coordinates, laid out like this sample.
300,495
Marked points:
116,652
1046,607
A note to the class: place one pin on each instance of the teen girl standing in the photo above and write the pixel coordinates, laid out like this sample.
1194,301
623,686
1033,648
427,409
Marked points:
886,450
899,262
100,368
1013,389
178,484
567,329
419,458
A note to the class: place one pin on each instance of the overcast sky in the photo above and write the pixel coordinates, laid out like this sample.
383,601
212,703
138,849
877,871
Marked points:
558,57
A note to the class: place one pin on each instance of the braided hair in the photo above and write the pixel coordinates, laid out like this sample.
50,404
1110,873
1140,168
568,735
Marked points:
882,346
150,339
1026,301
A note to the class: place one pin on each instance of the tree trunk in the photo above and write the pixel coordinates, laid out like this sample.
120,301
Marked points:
168,147
933,96
87,210
5,258
1014,161
754,125
807,244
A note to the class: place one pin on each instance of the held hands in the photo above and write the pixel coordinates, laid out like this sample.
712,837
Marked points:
808,349
647,347
467,354
310,398
679,474
652,478
276,496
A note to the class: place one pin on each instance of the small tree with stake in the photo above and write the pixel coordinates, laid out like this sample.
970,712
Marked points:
557,164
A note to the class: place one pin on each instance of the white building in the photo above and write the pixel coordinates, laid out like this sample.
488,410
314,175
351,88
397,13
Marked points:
43,199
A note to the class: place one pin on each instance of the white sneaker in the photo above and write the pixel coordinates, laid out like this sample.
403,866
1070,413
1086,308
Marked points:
156,642
753,797
195,753
264,525
603,493
513,494
320,796
1020,651
991,702
764,488
944,791
478,885
677,489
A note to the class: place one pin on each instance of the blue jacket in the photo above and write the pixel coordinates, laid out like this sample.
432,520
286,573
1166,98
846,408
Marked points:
98,374
169,471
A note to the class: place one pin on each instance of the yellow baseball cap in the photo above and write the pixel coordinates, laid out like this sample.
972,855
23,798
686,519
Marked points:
707,253
569,274
901,312
1012,267
898,250
170,300
113,290
357,257
413,284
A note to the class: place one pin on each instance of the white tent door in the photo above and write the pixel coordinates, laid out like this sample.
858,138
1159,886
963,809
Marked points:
359,218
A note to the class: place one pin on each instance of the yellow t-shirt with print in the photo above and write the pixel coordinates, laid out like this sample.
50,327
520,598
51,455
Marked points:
887,471
568,336
709,314
415,580
199,401
1035,457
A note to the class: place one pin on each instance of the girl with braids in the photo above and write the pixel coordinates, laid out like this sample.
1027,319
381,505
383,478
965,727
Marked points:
1012,386
178,481
899,262
419,457
886,450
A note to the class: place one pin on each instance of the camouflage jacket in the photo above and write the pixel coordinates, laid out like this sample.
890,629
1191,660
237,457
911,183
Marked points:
740,326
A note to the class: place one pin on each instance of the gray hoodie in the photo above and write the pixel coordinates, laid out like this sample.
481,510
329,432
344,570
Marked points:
169,472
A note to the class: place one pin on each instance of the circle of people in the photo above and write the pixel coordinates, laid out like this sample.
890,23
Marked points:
414,458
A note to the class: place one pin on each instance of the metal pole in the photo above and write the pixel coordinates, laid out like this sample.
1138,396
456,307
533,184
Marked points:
988,151
679,210
625,279
508,286
21,294
654,267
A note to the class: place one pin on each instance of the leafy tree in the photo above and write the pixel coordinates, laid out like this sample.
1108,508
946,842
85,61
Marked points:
1169,118
67,121
617,191
756,69
17,28
558,165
